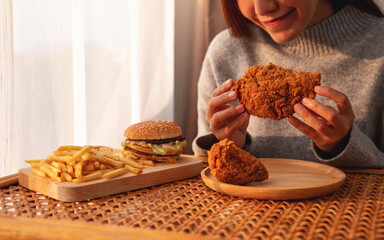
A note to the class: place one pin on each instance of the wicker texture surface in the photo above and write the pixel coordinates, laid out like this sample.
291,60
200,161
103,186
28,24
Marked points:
355,211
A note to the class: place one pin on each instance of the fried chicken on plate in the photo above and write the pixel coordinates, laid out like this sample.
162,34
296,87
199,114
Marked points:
272,91
231,164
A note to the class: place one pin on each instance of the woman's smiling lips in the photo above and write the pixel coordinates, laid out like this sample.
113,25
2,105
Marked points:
277,21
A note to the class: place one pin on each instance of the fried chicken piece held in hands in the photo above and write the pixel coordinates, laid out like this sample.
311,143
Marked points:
231,164
272,91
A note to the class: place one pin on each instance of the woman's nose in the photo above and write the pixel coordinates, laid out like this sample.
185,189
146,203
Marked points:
263,7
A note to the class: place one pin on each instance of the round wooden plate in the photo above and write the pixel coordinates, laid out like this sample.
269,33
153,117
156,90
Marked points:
288,180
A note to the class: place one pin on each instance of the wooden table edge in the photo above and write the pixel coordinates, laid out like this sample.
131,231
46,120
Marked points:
12,227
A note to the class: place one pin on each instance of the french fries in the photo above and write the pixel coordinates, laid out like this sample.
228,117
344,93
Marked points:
38,172
114,173
134,170
78,164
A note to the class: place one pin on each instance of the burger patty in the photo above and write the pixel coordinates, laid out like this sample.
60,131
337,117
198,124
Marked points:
148,154
160,141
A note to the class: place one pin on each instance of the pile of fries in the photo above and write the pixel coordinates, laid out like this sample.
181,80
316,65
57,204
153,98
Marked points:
82,164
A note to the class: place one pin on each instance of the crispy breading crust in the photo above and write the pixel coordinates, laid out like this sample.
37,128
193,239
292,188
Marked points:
231,164
272,91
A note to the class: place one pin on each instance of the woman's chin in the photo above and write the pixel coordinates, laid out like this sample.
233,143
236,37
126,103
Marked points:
283,37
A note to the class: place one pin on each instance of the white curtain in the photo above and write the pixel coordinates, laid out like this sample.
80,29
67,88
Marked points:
197,22
80,71
7,115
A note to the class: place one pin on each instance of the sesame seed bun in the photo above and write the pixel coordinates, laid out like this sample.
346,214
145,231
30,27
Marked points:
153,130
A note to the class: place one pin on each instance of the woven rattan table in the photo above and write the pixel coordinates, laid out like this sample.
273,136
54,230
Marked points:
189,209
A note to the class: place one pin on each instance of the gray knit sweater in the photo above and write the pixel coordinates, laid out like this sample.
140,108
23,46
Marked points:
347,49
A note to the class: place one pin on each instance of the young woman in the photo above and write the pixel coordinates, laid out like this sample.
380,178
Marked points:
344,125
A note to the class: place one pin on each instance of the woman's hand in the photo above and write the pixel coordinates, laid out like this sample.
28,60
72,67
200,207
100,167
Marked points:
227,121
327,127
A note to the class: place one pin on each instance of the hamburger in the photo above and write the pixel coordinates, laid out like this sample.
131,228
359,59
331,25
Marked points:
156,140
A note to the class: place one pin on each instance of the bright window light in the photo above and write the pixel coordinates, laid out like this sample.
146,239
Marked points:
79,97
134,55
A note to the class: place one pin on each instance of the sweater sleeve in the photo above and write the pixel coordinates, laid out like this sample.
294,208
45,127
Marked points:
208,82
360,151
204,143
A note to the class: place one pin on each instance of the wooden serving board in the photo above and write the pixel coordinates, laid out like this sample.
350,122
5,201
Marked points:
187,166
288,180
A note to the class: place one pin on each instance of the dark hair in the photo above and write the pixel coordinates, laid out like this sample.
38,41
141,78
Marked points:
237,23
